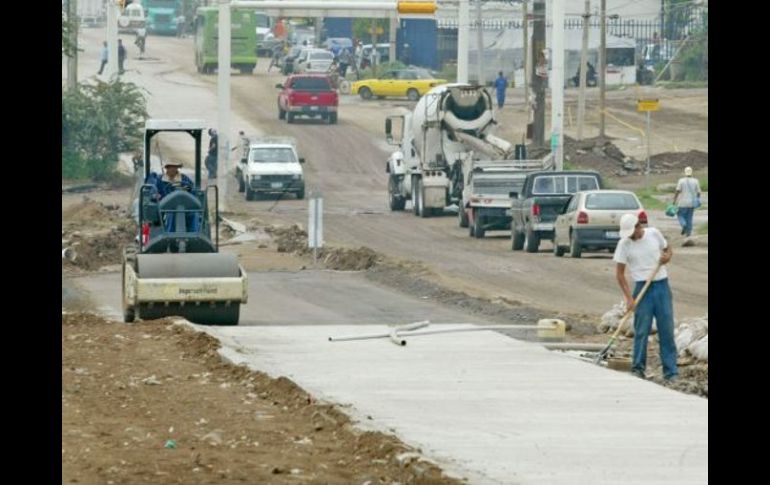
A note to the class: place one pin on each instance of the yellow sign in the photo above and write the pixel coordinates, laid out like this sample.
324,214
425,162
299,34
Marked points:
647,105
416,7
379,30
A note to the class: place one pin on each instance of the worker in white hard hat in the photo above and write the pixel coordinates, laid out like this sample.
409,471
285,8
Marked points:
641,249
688,197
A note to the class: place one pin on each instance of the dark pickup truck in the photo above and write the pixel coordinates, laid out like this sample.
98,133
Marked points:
307,95
541,200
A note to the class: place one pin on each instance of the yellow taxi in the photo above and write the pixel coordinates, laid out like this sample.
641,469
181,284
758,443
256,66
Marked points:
411,83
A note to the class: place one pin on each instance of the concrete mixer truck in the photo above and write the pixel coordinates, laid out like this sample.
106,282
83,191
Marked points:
438,143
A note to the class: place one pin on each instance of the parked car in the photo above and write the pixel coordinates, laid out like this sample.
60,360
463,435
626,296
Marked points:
411,83
313,60
591,221
307,95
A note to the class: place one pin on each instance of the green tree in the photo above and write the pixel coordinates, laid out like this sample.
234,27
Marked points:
362,29
98,122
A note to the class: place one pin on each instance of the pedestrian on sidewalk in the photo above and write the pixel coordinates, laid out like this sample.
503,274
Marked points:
121,56
640,249
688,195
103,57
501,84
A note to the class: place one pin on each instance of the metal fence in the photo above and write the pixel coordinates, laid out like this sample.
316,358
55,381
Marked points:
674,26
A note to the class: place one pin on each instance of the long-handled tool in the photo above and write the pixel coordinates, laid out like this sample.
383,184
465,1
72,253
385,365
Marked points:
603,353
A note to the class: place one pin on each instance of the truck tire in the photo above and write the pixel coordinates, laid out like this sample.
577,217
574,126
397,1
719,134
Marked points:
396,201
478,228
532,241
332,118
412,94
301,194
249,193
517,239
558,251
462,216
421,202
575,250
365,93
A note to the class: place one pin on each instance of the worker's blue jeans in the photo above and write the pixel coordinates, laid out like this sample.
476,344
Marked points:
656,303
684,214
500,100
192,222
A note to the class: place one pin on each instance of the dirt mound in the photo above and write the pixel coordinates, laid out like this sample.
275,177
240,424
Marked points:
203,420
293,239
678,160
344,259
601,155
89,211
288,239
95,250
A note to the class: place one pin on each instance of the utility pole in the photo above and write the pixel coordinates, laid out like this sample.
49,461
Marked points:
72,59
583,72
527,57
557,84
463,32
479,45
112,40
223,98
540,73
602,66
392,24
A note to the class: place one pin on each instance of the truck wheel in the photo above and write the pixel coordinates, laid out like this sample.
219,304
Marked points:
332,118
249,193
281,114
301,194
517,239
421,202
396,202
532,241
365,93
574,247
416,196
558,251
413,94
290,118
478,228
462,216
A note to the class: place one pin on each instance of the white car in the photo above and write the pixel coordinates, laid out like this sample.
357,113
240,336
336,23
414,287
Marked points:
591,221
313,60
272,167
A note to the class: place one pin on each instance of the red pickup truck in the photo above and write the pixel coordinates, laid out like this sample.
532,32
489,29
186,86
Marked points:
309,95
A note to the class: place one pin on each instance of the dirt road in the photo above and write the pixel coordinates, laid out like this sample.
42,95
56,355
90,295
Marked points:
346,162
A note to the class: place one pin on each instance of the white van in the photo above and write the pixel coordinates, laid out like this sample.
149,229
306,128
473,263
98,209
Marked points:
272,167
131,19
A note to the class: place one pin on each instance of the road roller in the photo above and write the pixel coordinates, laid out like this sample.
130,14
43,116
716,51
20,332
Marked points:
174,267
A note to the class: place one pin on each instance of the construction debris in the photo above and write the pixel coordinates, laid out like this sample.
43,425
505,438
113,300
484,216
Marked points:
692,338
611,317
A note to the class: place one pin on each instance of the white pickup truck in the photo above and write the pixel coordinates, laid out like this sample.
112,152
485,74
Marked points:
272,166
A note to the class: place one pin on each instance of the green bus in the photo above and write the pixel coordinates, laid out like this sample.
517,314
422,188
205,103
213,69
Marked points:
242,45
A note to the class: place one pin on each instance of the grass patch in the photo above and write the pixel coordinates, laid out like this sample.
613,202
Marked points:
648,199
683,84
702,228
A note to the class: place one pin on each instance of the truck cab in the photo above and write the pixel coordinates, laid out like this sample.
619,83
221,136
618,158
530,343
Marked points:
272,167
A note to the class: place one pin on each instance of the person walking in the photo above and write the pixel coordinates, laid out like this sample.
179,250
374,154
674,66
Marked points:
688,195
121,56
103,57
213,154
501,84
641,249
